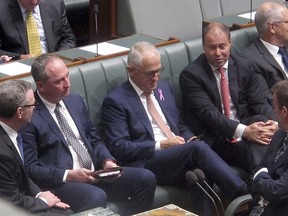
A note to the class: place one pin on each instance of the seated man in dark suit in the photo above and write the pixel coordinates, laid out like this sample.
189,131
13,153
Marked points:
52,30
270,182
225,102
63,149
17,105
137,136
265,54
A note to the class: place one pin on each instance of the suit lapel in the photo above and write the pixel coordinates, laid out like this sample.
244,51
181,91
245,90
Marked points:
16,15
10,144
233,84
45,114
47,22
137,106
267,55
277,144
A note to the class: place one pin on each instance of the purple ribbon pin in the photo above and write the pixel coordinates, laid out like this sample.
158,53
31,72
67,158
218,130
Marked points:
161,95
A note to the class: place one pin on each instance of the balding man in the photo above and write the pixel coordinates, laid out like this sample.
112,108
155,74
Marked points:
268,53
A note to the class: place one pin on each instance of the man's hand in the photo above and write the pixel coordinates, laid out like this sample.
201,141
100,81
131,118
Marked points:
25,56
177,140
81,175
5,58
53,200
109,164
260,132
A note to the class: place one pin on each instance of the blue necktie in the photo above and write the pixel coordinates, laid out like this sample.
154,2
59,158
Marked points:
20,146
283,53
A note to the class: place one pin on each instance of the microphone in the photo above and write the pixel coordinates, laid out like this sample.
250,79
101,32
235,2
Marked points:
96,10
201,177
193,179
251,9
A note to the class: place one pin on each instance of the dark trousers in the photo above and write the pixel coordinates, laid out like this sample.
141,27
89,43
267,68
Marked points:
136,186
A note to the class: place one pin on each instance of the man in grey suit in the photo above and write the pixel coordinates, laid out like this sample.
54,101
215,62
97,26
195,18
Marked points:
53,27
17,105
271,21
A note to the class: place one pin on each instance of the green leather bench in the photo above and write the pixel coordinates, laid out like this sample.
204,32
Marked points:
93,81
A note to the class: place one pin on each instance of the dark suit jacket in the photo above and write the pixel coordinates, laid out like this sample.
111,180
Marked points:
202,103
15,186
273,185
127,127
13,35
47,154
264,63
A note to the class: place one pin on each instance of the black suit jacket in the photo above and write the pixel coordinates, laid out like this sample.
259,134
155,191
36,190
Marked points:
202,102
273,185
264,63
15,186
13,35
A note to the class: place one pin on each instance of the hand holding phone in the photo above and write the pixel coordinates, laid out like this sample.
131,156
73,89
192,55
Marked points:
108,173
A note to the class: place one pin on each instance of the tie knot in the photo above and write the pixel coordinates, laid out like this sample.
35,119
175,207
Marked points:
57,107
147,94
221,70
282,51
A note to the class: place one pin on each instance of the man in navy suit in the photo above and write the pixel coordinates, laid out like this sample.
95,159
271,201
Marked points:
270,182
271,21
240,135
17,105
54,162
135,138
53,27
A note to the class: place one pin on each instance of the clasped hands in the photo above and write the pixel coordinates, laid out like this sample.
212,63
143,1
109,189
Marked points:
260,132
88,176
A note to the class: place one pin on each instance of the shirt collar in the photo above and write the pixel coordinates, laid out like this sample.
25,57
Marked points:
214,68
136,88
50,106
273,49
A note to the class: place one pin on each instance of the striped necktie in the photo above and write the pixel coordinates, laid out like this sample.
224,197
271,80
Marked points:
33,35
224,92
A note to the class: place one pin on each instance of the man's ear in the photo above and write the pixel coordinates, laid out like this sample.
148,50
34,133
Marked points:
130,71
19,112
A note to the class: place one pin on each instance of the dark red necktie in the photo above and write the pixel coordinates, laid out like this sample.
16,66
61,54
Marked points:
224,92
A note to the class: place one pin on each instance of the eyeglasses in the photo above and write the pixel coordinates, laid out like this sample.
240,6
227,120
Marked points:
30,105
279,21
151,74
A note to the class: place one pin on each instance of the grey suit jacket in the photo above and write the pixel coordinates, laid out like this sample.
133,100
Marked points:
13,35
264,63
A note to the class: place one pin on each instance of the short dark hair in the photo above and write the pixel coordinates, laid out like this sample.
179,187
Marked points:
280,89
214,25
38,68
12,96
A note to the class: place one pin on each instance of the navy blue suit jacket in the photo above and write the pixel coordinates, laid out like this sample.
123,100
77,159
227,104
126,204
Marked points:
202,101
15,184
126,125
13,35
273,185
47,154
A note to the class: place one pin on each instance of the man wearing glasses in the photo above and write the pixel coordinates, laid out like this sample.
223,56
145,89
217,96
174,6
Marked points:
143,128
268,54
17,105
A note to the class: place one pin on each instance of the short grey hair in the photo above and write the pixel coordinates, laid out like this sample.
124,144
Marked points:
266,15
12,96
38,69
280,90
137,52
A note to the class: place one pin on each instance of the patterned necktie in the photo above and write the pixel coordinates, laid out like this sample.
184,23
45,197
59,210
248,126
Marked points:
156,116
282,149
72,139
33,35
282,52
224,92
20,146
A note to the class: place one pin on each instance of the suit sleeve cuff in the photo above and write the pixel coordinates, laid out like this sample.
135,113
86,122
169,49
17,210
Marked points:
239,132
264,169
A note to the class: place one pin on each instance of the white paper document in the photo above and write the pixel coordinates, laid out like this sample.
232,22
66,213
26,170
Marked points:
248,15
14,68
104,48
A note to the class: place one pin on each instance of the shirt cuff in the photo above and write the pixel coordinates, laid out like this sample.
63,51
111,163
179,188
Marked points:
157,146
44,200
65,176
239,132
264,169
